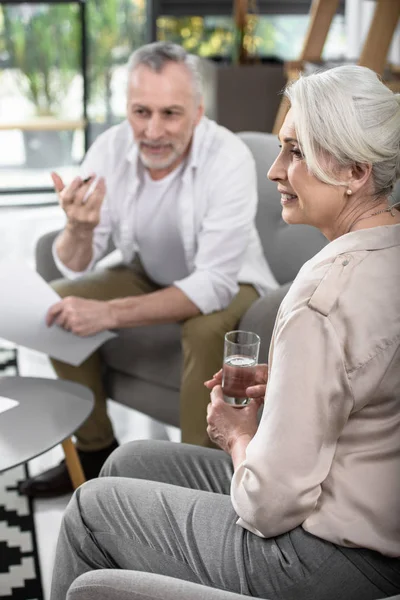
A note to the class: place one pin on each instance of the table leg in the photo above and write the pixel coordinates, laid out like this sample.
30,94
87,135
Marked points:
73,463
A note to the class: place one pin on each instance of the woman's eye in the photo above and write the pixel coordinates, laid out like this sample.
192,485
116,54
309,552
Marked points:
297,153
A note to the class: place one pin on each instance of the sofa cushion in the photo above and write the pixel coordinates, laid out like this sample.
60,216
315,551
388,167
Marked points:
286,247
151,353
157,401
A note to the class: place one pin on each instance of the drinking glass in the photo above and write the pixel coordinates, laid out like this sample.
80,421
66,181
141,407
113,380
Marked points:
241,350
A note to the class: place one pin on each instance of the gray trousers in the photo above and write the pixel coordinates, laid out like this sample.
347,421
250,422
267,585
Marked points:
161,507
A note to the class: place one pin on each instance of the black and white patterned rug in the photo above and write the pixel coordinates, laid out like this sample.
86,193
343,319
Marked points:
19,562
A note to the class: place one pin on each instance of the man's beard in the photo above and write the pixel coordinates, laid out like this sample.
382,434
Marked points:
159,163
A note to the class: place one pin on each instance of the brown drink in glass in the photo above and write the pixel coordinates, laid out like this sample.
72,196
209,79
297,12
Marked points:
239,368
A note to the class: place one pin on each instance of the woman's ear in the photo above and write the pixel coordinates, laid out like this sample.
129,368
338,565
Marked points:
359,175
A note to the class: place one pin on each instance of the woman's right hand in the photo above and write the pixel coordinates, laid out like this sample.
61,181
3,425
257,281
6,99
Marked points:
254,391
82,211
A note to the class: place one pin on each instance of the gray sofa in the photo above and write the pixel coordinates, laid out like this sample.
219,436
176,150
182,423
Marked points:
112,584
143,364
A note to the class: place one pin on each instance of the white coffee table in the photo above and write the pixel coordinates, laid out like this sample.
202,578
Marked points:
48,413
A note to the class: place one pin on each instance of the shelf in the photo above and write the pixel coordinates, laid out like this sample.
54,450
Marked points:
43,124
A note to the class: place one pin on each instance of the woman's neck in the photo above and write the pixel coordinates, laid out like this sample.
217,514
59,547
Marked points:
382,215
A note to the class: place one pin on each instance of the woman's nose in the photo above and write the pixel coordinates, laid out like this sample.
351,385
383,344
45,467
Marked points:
277,171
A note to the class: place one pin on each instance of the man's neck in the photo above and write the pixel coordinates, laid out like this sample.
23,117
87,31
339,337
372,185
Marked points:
157,174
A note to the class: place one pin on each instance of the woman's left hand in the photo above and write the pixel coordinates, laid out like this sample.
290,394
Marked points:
226,423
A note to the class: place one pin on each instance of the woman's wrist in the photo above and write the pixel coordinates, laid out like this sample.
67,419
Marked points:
237,448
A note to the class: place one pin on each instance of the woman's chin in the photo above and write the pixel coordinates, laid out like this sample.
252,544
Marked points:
290,215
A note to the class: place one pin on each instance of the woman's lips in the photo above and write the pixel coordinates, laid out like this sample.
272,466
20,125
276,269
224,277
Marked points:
288,199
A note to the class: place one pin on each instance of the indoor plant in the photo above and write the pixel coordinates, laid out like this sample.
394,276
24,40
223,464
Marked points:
43,45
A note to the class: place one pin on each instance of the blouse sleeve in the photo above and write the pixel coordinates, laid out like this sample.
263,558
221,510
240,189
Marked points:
307,403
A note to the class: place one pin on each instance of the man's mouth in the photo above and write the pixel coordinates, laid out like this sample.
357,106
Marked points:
155,149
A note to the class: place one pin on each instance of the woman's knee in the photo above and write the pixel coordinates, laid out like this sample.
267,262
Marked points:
136,459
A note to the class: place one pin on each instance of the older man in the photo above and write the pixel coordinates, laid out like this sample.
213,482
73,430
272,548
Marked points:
177,194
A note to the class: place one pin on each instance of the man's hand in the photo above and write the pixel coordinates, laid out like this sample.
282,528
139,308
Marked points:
226,425
256,391
80,316
82,210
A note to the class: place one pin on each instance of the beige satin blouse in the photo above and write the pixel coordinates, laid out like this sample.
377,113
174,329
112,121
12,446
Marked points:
327,451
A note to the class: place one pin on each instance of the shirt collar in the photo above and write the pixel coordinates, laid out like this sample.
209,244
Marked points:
375,238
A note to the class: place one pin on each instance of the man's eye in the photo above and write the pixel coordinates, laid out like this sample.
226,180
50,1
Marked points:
139,111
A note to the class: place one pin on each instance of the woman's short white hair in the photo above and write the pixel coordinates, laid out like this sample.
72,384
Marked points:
157,54
346,116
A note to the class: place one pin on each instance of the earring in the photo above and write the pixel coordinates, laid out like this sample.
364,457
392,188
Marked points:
349,192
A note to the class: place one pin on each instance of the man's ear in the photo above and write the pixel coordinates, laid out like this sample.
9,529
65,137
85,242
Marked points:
359,175
200,112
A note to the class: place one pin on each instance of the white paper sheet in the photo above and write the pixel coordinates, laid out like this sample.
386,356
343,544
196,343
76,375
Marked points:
7,403
25,299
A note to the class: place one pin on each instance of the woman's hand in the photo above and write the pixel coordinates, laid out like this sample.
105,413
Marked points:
256,391
227,424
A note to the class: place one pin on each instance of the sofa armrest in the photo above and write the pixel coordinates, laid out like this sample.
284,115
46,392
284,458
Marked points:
45,264
112,584
261,315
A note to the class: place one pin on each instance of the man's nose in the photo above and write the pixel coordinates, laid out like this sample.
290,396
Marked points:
154,129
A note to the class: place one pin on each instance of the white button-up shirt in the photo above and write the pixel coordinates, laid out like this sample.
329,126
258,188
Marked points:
216,209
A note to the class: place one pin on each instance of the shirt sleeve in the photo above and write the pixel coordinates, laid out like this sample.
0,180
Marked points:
94,162
307,404
224,235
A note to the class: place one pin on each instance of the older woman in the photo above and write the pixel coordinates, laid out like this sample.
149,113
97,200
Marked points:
307,503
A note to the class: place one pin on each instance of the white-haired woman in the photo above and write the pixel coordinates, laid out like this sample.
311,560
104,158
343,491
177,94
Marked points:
307,503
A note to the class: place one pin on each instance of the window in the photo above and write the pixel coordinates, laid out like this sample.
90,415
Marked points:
279,36
115,29
40,92
45,100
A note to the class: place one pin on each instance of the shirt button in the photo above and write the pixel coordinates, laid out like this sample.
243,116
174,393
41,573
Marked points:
345,263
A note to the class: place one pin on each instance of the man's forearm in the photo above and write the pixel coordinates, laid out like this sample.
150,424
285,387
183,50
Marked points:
74,248
169,305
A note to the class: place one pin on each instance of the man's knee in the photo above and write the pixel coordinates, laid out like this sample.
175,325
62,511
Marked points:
83,287
64,287
203,340
204,330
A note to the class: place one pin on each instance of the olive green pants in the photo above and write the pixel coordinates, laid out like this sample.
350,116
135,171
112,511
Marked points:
202,347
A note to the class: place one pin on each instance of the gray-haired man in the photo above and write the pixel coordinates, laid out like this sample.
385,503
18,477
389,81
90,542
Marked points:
177,194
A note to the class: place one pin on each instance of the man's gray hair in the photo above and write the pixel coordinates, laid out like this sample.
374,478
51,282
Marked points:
157,55
347,114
